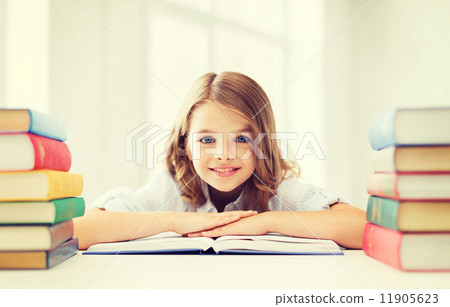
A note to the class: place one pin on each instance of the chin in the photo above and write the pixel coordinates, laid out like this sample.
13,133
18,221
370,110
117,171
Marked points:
224,189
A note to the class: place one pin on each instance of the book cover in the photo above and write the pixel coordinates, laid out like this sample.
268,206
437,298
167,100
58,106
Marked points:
27,120
26,151
39,259
410,216
416,251
44,212
412,159
39,185
34,237
402,126
412,186
173,243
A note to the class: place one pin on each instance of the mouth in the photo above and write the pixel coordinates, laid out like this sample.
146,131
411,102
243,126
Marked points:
224,171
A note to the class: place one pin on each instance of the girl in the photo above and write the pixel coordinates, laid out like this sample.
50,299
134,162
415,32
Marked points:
224,176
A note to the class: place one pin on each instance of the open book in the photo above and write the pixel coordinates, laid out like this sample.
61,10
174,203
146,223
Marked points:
173,243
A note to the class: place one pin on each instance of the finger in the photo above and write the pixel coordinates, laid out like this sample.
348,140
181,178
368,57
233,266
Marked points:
227,219
211,233
241,213
238,212
249,213
220,221
219,231
194,234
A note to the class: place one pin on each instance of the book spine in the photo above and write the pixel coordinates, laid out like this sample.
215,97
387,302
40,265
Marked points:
383,184
382,244
50,153
62,252
62,184
385,160
383,212
382,131
68,208
48,126
60,233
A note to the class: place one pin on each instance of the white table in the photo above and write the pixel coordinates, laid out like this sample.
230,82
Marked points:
354,270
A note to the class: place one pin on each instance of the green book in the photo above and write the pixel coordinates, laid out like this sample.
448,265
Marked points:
41,212
408,216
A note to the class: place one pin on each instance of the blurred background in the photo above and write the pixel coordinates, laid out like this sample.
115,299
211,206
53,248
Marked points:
330,68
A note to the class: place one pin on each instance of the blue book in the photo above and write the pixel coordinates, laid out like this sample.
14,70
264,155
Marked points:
27,120
173,243
411,127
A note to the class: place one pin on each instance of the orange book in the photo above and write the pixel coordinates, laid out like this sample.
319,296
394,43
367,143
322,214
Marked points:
408,251
44,259
39,185
27,120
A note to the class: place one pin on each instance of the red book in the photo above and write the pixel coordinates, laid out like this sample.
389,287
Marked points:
413,251
410,186
27,151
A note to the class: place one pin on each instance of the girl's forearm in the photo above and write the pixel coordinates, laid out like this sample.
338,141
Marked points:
343,224
98,226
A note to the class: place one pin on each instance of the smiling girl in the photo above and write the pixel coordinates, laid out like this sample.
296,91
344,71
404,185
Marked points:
224,176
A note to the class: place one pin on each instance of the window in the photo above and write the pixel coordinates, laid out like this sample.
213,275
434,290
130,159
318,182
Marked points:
267,40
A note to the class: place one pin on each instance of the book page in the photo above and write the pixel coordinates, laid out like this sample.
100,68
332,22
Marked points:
273,236
277,247
276,243
167,241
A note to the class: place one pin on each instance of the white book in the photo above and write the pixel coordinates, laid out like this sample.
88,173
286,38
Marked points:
171,242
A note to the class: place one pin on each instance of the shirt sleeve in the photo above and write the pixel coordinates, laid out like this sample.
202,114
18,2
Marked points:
161,193
297,195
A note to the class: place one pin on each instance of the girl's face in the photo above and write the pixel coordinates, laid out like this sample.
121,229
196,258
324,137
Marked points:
220,147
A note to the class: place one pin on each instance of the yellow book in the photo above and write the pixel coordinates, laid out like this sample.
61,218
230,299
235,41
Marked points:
39,185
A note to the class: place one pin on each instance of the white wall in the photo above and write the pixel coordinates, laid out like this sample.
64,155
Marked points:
303,90
2,51
394,54
99,88
26,54
102,90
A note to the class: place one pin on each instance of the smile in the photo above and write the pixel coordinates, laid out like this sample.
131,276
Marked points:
225,172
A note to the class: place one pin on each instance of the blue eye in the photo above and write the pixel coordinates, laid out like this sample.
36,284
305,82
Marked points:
242,139
207,140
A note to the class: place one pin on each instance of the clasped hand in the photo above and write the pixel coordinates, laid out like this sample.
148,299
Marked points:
194,224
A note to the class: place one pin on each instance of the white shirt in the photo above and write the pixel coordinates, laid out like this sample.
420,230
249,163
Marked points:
162,193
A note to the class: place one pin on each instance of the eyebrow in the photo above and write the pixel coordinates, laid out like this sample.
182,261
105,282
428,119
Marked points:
211,131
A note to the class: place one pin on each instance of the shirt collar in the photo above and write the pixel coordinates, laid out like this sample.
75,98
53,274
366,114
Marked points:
208,206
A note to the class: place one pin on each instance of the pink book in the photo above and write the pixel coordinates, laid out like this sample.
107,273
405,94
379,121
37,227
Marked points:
414,251
410,186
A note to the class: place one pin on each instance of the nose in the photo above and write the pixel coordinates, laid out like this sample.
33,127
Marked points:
223,154
219,158
226,150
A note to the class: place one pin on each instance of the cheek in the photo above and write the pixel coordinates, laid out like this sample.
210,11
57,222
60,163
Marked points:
245,152
200,164
252,162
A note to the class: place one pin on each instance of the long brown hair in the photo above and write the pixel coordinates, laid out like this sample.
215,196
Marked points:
243,95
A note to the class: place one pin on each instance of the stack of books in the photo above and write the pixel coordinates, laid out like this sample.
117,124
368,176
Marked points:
37,193
408,210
